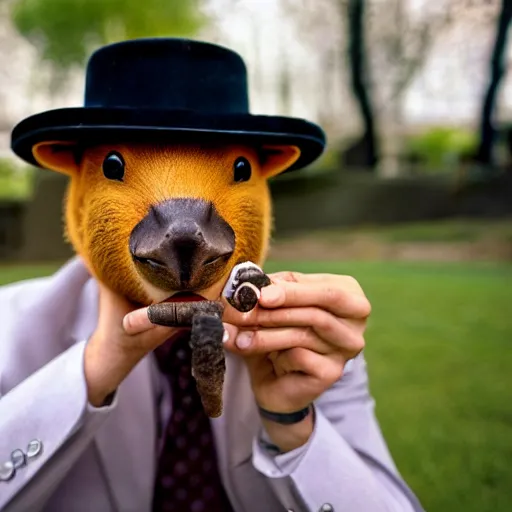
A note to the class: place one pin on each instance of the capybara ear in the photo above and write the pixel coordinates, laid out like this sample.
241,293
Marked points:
57,156
276,159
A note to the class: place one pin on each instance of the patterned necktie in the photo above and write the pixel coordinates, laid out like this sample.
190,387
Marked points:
187,476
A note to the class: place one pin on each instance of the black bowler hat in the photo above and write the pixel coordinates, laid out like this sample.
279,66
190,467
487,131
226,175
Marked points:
166,90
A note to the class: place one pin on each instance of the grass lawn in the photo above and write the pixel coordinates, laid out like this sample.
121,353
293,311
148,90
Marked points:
440,362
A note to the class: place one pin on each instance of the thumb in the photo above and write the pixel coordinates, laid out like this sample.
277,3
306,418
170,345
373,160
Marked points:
116,308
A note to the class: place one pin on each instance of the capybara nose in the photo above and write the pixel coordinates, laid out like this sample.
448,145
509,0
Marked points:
182,244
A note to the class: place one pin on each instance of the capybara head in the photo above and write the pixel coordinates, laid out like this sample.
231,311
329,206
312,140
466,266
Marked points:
152,220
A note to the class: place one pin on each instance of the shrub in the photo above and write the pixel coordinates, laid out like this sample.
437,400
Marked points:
441,148
15,180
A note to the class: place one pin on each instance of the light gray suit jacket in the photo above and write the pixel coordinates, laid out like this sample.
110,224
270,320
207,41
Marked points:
103,460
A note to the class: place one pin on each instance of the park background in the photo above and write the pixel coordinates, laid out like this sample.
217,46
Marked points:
413,195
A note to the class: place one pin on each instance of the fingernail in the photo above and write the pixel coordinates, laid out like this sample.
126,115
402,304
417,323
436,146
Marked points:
137,322
271,293
127,321
225,336
244,340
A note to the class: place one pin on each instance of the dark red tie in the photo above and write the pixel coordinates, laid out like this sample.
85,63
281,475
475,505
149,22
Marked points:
187,478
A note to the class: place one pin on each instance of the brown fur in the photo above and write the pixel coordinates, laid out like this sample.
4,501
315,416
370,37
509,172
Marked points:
101,213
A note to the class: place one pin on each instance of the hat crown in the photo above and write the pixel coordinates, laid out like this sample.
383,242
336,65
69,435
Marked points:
167,74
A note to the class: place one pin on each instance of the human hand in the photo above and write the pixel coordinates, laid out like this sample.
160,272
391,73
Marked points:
123,336
296,343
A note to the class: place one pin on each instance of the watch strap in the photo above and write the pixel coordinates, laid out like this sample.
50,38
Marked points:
285,418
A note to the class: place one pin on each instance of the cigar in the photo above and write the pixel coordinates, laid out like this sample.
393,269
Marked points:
208,360
181,314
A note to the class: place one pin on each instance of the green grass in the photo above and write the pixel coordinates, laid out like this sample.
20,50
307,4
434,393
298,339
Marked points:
440,363
12,273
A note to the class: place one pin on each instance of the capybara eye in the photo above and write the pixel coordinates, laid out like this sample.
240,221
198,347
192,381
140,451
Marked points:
113,166
242,169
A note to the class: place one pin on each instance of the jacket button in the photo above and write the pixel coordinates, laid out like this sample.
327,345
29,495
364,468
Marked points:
6,471
326,507
18,458
34,448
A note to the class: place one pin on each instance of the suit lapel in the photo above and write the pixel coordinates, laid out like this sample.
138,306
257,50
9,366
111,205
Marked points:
126,440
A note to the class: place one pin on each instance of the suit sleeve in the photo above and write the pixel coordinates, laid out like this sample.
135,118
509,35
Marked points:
345,466
50,407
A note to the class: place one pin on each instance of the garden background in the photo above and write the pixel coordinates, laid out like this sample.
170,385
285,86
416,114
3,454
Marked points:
413,196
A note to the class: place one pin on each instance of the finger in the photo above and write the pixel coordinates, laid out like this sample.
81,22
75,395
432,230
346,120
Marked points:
325,370
264,341
230,334
235,317
137,322
299,277
331,296
334,331
286,275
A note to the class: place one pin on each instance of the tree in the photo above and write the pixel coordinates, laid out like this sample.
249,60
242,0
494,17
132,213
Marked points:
401,41
497,70
359,78
335,30
65,31
386,47
15,180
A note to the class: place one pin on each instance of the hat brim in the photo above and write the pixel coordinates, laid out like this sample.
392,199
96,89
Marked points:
95,125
